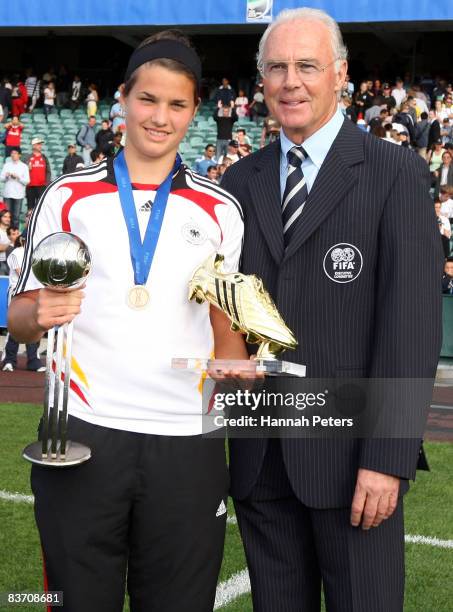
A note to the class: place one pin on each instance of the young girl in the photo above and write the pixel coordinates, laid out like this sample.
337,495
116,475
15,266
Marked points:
150,503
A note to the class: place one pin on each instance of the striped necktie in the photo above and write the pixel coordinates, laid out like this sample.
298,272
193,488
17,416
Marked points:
296,193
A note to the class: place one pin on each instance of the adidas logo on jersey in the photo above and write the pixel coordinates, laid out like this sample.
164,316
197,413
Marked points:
221,509
146,207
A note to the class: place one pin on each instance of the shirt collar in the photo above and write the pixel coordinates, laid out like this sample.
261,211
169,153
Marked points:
318,144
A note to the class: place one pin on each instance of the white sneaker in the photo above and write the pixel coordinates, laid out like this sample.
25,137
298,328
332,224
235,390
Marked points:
8,367
41,369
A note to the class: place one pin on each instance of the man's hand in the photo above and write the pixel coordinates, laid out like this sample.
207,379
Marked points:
375,498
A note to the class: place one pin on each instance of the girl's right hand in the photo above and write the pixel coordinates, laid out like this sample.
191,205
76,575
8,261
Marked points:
57,306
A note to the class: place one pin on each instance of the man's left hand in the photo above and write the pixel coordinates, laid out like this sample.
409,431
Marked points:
375,498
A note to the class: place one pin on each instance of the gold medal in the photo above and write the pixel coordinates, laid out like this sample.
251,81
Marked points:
138,297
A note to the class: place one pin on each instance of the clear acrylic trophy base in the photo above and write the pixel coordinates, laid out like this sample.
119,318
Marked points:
75,454
270,367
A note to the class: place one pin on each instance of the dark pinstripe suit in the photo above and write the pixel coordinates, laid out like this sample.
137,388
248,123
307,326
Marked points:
373,195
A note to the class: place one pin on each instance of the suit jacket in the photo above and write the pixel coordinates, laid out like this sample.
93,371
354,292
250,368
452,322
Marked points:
373,195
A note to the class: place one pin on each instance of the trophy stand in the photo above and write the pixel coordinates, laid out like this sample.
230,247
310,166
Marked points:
60,261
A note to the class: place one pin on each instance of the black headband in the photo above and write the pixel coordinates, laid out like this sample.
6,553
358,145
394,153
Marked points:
168,49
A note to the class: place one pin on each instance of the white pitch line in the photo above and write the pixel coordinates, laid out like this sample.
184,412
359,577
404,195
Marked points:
237,585
419,539
16,497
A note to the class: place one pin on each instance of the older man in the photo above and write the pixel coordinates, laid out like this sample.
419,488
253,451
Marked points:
330,510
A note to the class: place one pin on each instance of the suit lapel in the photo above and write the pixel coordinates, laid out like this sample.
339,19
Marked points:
334,180
266,198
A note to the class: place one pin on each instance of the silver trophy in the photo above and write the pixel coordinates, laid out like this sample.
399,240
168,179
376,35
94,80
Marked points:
60,261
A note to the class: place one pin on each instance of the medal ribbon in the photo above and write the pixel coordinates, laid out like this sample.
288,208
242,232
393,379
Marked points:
142,254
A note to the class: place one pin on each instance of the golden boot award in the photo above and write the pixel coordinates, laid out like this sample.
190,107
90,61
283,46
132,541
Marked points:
60,261
251,311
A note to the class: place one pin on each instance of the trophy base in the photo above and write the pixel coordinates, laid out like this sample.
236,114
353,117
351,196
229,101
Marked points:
75,454
270,367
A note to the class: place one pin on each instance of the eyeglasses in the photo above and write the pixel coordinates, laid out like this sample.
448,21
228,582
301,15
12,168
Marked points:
277,70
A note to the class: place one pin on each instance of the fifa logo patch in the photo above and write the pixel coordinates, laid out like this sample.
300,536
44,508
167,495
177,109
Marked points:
343,262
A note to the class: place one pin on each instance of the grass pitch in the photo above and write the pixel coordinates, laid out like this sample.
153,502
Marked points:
428,511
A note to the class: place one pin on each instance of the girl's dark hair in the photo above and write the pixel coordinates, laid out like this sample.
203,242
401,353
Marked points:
169,64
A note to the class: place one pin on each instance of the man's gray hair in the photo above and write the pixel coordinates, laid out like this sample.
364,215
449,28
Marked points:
339,49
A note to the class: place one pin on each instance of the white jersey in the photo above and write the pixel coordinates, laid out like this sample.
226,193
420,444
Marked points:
121,368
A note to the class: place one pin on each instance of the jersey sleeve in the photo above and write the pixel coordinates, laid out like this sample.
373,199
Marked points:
45,220
232,226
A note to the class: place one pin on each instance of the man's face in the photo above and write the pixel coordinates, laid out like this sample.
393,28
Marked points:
225,82
448,268
15,120
446,159
37,147
71,150
232,150
91,121
15,156
302,106
226,111
399,84
210,152
105,125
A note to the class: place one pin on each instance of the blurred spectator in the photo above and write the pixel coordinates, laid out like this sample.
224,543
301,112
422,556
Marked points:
347,108
116,144
373,111
104,138
270,131
5,222
40,175
447,277
19,97
434,129
9,364
421,135
378,131
13,135
92,100
232,152
446,200
225,118
241,137
71,160
441,111
76,93
404,118
86,138
202,163
244,149
13,234
213,173
398,92
5,99
362,100
49,99
348,86
444,174
223,167
258,108
434,158
49,75
379,120
444,228
446,131
96,156
241,104
225,94
33,89
16,176
387,97
117,115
